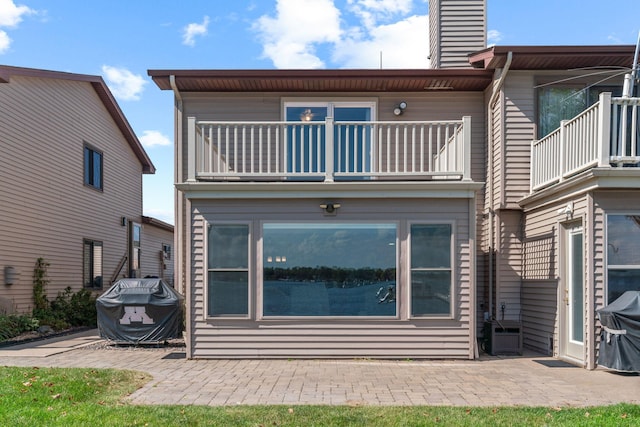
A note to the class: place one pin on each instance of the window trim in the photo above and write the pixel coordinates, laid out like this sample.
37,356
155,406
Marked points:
606,254
409,270
249,270
260,275
89,183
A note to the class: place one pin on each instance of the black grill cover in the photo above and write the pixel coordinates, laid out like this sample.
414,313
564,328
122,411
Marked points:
620,340
140,310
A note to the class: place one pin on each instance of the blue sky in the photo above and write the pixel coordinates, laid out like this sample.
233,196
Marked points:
121,39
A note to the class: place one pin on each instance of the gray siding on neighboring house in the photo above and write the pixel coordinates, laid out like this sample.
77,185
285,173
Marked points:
154,261
333,337
46,210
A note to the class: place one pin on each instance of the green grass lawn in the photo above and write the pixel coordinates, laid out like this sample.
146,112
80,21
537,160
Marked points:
97,397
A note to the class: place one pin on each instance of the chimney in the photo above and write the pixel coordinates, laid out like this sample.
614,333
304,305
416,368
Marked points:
456,28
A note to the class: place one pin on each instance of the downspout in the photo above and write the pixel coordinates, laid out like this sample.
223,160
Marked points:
179,235
491,212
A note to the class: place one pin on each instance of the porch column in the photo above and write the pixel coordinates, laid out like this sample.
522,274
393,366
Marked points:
191,149
328,150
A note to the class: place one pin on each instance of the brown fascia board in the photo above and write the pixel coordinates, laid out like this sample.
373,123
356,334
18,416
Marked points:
157,223
162,77
553,57
105,95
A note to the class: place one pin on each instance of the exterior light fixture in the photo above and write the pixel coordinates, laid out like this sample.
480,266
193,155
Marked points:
399,109
330,208
306,115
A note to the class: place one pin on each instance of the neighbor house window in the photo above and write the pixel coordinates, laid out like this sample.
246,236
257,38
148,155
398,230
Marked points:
564,103
92,167
228,270
92,264
431,273
623,255
329,269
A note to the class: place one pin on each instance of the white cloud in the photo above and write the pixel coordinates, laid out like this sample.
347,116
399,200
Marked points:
493,37
5,42
10,14
153,138
404,44
192,30
290,39
123,83
299,29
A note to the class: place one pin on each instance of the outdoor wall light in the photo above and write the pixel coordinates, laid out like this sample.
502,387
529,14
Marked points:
9,275
330,208
400,108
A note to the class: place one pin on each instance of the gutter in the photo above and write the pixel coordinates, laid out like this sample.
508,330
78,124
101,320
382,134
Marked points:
491,211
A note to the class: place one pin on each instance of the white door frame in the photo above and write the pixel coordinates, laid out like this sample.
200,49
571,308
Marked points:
572,292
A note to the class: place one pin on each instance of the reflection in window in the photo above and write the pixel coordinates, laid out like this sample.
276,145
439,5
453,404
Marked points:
329,269
623,255
92,168
228,270
431,284
92,264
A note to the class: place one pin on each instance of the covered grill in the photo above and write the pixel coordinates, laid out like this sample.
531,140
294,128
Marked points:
140,310
620,340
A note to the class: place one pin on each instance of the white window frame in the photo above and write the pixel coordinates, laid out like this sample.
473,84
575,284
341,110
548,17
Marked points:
452,305
606,252
250,264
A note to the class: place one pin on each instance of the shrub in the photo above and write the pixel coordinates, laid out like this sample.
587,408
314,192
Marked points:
12,325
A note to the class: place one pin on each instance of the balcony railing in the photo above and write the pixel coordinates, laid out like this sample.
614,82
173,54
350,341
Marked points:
604,135
328,150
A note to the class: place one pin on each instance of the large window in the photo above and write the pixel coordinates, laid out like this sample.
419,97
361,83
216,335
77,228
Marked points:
92,167
92,264
329,269
431,281
228,270
623,255
563,103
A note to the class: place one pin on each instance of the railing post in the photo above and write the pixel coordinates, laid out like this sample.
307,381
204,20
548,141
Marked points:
328,150
466,141
562,149
191,149
604,130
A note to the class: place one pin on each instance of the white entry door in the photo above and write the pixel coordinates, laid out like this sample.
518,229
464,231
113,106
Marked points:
572,305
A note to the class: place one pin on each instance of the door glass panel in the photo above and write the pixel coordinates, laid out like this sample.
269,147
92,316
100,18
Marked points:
352,142
306,139
577,286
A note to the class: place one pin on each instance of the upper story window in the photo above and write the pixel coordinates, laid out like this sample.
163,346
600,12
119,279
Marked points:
557,103
92,167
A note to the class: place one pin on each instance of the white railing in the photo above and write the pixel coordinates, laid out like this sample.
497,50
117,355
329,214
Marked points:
604,135
328,150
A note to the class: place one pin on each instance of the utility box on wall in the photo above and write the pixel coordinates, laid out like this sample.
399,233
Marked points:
503,337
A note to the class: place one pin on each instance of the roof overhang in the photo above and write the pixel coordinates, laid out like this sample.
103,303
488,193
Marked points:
554,57
105,96
417,80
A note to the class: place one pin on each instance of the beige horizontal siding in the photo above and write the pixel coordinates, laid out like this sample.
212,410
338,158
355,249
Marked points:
300,337
46,210
539,315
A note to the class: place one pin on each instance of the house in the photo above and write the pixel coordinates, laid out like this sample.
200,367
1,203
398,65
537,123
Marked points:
71,173
157,258
407,213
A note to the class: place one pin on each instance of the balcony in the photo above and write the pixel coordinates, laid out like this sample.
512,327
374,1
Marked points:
328,150
606,135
